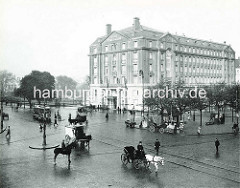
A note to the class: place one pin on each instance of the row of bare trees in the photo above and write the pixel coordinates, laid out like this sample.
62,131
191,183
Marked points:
217,95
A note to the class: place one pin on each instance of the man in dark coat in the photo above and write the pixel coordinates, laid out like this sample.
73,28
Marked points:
140,150
217,143
156,146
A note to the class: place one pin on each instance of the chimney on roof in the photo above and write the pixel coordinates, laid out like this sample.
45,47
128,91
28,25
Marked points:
108,29
136,23
224,42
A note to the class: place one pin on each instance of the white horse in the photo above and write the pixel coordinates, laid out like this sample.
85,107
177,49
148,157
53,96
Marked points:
155,160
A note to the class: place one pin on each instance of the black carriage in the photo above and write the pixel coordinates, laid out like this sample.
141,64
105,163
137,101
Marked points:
130,124
81,137
5,116
131,155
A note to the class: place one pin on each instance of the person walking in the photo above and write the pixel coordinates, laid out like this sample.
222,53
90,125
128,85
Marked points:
156,146
199,131
8,131
106,116
217,143
55,120
140,150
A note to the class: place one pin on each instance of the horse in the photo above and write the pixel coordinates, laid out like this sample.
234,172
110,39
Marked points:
155,160
64,151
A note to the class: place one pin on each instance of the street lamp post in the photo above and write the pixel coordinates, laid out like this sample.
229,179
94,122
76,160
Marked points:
237,116
142,74
1,105
44,126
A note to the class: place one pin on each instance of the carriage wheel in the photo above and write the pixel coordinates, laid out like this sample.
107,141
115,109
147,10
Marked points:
161,130
124,159
152,128
137,163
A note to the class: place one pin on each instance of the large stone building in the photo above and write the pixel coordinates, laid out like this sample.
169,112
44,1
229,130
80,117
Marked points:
237,64
121,62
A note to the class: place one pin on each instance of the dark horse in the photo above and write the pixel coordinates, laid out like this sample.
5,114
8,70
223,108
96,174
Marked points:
64,151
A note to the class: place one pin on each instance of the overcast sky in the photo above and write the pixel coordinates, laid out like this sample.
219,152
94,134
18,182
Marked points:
55,35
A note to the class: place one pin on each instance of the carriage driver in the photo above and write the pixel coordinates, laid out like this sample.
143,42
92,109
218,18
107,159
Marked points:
140,150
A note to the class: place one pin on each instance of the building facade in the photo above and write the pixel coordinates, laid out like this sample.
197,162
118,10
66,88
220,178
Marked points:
124,62
237,64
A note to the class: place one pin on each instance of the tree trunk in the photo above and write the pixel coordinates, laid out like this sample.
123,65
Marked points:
194,115
30,103
200,117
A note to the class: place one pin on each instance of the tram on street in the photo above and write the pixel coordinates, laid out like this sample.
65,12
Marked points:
39,111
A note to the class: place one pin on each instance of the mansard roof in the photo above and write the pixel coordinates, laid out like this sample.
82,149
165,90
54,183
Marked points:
200,43
153,34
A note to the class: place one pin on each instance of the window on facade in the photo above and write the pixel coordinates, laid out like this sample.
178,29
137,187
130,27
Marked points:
135,44
123,46
114,69
106,60
95,61
135,69
115,80
95,81
114,59
150,68
95,50
185,49
150,44
176,47
106,48
95,71
162,57
193,50
105,80
181,48
161,67
161,45
114,46
135,55
123,58
106,70
189,49
150,55
123,69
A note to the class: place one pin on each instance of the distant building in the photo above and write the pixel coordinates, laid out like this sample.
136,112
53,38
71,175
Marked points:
13,85
117,58
238,70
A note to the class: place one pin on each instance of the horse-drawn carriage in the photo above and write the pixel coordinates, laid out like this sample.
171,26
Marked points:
77,133
168,127
5,116
138,159
75,136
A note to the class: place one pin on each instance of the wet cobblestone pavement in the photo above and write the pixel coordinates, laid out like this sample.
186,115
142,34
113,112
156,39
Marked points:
190,160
